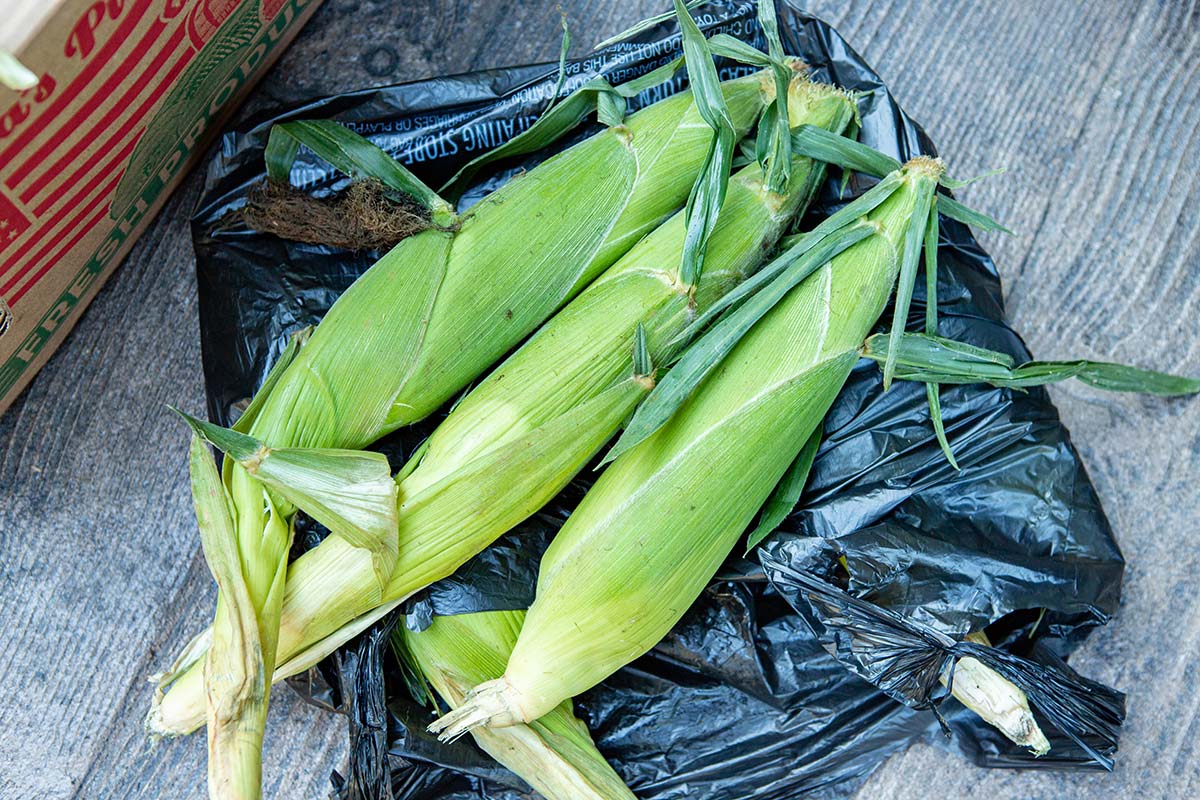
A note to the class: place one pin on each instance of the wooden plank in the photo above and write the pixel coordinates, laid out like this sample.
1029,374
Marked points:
1090,107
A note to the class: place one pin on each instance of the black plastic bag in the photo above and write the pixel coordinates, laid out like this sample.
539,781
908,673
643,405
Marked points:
742,699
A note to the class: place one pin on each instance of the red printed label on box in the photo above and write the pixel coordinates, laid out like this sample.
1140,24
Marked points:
89,155
12,222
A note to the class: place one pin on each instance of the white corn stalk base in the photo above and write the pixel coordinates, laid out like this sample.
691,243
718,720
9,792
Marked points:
998,702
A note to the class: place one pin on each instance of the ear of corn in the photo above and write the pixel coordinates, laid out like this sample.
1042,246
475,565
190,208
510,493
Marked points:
242,640
444,304
655,527
519,437
555,755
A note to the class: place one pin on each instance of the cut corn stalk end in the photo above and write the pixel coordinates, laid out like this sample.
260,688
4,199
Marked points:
998,702
489,705
157,724
153,726
555,755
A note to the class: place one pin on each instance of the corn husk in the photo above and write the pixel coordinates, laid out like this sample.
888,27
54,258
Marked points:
655,527
512,443
555,755
235,676
444,304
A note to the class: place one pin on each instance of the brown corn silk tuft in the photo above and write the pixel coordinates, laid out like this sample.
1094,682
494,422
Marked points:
363,216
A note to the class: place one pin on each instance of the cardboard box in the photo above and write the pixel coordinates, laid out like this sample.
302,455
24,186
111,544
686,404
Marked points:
129,94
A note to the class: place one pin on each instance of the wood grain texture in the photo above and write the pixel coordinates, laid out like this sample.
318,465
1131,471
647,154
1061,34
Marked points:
1093,108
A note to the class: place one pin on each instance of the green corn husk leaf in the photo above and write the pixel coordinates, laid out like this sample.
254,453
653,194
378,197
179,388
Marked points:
932,391
786,495
931,270
1103,375
704,357
845,152
645,24
516,438
769,22
352,154
315,652
708,194
944,355
933,359
794,247
243,756
562,60
643,364
660,520
910,259
934,399
555,754
949,207
952,183
194,652
741,158
852,155
561,117
233,668
351,492
773,149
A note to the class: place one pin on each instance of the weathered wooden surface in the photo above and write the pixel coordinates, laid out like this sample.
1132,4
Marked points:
1093,107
